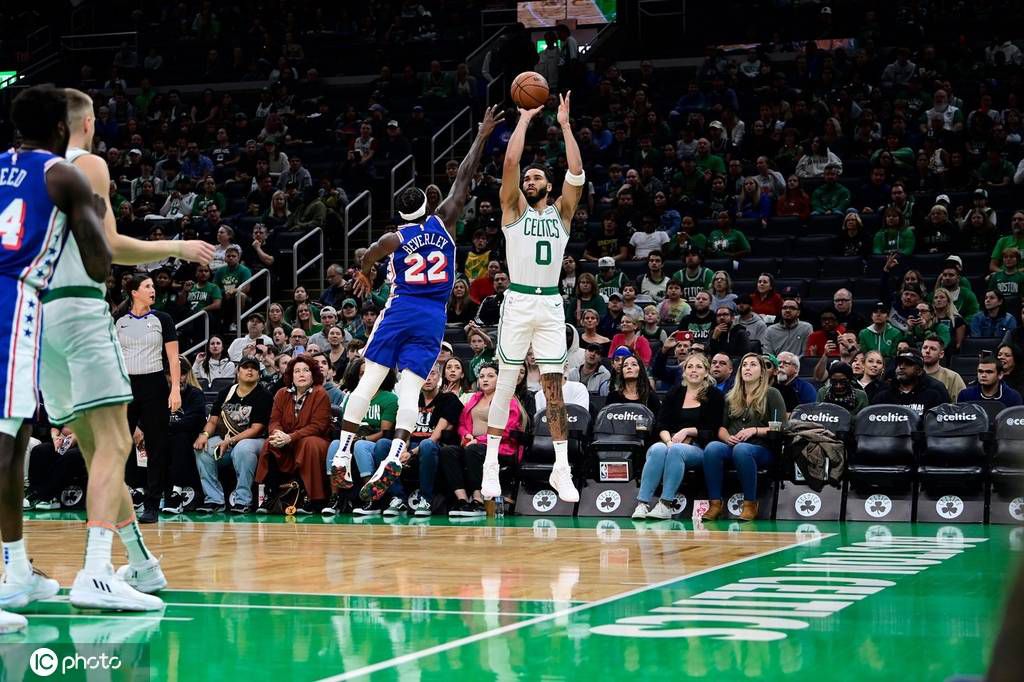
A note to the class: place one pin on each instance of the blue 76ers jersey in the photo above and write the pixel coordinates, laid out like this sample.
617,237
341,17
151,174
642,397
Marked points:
32,234
423,267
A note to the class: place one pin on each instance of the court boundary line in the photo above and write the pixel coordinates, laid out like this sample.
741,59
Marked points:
512,627
351,609
374,596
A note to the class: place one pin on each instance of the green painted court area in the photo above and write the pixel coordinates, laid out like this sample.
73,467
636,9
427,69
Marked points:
908,616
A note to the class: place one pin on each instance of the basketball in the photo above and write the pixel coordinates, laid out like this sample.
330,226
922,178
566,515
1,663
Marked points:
530,90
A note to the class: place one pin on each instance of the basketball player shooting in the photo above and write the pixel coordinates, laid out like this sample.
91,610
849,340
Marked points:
536,234
409,331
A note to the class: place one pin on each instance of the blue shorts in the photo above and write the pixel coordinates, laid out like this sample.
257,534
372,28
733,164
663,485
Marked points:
408,335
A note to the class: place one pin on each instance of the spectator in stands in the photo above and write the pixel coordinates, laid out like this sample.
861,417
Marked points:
894,237
295,174
727,337
841,389
842,306
689,419
589,322
231,277
277,159
629,338
368,319
844,348
456,378
202,294
179,201
275,318
300,296
752,407
903,202
195,164
654,282
828,332
208,195
490,307
753,203
853,240
874,195
924,324
765,300
771,181
721,372
795,391
233,436
651,329
609,280
475,262
937,233
613,317
610,242
831,197
873,377
880,335
629,305
910,387
746,317
817,162
993,321
463,467
674,308
1008,280
678,346
263,195
725,241
1015,240
305,321
213,362
633,386
328,319
1011,357
483,349
483,286
933,350
592,373
694,276
461,309
947,316
567,279
957,290
790,333
297,342
648,239
701,319
990,385
794,201
721,291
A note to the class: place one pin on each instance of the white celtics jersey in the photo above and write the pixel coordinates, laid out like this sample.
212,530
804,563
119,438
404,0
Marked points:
534,247
70,271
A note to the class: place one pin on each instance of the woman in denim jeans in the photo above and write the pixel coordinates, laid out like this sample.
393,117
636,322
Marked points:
690,417
751,405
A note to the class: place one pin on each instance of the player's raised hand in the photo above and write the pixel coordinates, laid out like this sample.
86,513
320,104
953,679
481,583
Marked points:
492,117
197,251
362,285
563,108
528,114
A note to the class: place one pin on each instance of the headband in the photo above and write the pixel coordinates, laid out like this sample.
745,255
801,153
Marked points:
418,213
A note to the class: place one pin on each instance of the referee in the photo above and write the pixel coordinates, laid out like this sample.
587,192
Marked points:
150,344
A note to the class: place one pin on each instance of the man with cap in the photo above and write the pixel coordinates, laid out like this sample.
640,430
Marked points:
959,288
609,324
592,373
255,325
790,333
394,147
880,335
233,436
910,386
694,276
1015,240
840,389
989,385
609,280
756,328
328,319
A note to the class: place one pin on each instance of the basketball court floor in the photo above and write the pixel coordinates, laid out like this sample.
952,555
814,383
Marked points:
526,598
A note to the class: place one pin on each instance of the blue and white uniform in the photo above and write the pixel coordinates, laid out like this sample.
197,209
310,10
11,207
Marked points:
32,234
410,329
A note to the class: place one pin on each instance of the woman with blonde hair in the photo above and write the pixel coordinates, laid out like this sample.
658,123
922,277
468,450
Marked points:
589,322
278,213
690,418
947,315
752,405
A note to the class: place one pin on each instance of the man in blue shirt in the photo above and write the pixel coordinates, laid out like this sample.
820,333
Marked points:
989,385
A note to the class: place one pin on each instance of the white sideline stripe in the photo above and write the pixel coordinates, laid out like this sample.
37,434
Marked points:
512,627
34,616
340,595
346,609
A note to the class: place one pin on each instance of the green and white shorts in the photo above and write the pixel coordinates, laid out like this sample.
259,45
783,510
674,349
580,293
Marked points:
537,321
82,364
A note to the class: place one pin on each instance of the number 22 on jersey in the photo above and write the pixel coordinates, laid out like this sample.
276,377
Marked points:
417,271
12,224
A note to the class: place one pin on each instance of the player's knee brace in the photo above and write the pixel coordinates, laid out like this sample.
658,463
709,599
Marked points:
359,400
497,417
408,391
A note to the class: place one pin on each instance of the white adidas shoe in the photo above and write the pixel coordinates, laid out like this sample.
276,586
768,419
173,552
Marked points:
17,594
491,485
561,480
661,511
11,622
105,591
641,511
147,577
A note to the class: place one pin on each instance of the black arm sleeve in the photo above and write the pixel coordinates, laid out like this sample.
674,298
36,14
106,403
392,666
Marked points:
166,326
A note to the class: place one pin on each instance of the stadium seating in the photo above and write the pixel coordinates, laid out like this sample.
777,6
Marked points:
796,500
953,465
1006,503
534,494
621,432
881,481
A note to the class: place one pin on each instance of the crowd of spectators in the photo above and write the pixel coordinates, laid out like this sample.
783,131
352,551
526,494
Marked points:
842,225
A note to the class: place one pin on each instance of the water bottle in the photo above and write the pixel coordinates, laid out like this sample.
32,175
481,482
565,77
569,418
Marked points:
499,507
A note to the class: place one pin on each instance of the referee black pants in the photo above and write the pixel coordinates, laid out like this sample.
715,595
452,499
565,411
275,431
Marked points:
148,411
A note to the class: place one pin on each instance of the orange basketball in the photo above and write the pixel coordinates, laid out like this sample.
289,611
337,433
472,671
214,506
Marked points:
530,90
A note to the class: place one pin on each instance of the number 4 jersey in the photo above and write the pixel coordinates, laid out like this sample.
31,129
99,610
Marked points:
410,329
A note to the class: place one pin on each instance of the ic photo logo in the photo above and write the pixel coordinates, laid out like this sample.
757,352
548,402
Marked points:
44,662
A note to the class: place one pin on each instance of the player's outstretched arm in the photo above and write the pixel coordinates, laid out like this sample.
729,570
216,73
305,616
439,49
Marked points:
385,246
71,193
128,251
571,191
512,199
451,208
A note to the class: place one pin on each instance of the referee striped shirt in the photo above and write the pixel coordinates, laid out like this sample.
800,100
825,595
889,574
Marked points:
142,341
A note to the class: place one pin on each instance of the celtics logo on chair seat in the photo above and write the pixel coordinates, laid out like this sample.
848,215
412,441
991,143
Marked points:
949,506
735,504
544,500
608,501
807,504
878,506
1016,508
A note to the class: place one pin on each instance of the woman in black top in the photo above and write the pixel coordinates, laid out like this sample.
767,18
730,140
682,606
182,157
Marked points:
633,386
689,419
150,343
461,310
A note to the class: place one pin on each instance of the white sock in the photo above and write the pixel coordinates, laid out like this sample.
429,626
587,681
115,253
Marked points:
561,452
131,536
97,548
493,443
16,563
346,445
397,448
